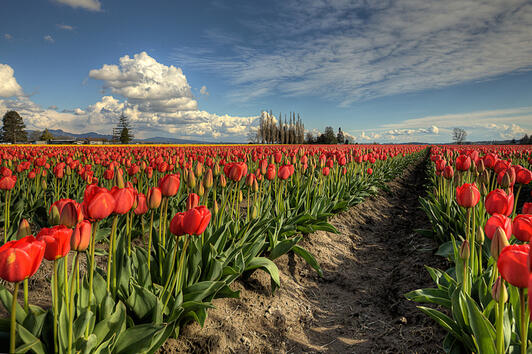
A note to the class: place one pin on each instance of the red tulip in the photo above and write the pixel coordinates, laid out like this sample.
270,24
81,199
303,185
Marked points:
176,225
284,172
192,201
498,202
513,265
20,259
522,227
57,240
195,220
154,198
524,176
169,184
81,236
325,171
270,172
495,221
463,163
467,195
369,171
8,182
70,212
124,199
448,172
142,206
527,208
98,203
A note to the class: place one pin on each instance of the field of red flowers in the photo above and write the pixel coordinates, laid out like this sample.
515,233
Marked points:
139,249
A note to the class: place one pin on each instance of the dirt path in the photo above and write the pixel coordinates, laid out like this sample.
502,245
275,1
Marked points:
358,306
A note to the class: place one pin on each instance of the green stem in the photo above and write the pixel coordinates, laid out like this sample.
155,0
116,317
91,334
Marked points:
91,271
55,305
500,318
71,307
26,304
149,239
524,321
13,320
111,252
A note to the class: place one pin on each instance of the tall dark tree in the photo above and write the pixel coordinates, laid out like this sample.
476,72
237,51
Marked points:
340,136
329,136
123,131
459,135
13,128
46,135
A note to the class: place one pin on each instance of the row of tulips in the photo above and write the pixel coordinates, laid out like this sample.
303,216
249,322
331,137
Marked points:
481,214
154,234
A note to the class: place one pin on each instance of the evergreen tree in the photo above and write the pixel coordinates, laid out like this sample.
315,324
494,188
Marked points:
122,133
13,128
46,135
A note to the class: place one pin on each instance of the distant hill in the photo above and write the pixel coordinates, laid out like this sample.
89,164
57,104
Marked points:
60,134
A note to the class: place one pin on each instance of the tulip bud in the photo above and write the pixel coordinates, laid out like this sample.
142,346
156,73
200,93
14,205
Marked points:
223,181
480,166
81,236
464,250
506,180
208,179
201,190
217,169
479,236
499,289
498,242
240,196
255,185
483,189
254,211
44,185
53,216
154,198
215,208
68,171
199,169
24,229
119,179
485,177
191,179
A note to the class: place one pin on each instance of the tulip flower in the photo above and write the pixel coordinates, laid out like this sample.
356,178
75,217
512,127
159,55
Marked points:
448,172
192,201
154,198
463,163
176,225
81,236
513,265
142,206
19,260
169,184
57,241
467,195
495,221
522,227
527,208
498,202
124,199
98,203
195,220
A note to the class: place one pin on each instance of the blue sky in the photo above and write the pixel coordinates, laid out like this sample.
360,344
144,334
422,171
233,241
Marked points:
385,71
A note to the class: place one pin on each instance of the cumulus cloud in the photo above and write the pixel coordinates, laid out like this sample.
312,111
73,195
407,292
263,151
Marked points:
156,98
348,51
48,38
91,5
8,84
203,91
65,27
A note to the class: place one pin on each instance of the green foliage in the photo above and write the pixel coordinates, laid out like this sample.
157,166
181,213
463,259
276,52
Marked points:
13,128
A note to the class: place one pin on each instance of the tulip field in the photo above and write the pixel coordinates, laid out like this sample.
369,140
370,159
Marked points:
479,207
139,240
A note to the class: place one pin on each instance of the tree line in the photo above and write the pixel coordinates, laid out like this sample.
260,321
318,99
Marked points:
272,130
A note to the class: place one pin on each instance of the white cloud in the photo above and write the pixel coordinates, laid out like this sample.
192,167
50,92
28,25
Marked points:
48,38
91,5
480,125
204,91
8,84
356,50
156,98
65,27
8,36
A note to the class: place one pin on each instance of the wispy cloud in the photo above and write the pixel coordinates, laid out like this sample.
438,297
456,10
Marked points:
65,27
8,36
348,51
48,39
91,5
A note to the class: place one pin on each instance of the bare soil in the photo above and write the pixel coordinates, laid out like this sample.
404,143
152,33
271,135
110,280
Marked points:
357,307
